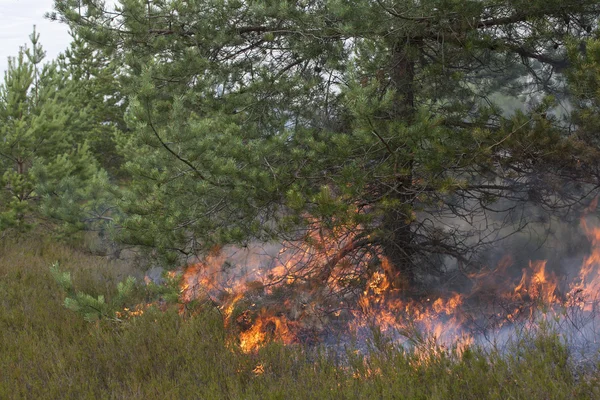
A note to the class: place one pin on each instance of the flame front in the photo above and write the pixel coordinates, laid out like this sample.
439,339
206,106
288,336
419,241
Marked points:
297,292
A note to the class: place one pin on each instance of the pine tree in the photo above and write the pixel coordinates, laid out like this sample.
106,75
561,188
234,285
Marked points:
255,119
94,86
48,173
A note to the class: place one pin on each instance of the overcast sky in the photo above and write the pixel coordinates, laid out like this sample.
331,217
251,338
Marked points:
17,18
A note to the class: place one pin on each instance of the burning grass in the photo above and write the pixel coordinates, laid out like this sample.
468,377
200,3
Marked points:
47,351
267,294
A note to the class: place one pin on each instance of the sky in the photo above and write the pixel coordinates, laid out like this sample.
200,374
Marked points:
17,18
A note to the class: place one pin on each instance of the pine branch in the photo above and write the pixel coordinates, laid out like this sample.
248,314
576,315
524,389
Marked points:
162,142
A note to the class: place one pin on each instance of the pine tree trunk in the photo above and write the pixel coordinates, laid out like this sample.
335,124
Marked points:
399,237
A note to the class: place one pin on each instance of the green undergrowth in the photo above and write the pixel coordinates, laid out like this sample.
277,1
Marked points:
50,352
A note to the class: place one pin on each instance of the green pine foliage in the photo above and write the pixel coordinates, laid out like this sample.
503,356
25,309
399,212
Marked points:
48,173
252,120
94,87
90,307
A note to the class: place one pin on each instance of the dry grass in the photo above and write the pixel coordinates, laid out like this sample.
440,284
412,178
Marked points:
49,352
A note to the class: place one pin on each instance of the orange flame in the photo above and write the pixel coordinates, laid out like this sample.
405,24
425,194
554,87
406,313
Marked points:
266,328
234,278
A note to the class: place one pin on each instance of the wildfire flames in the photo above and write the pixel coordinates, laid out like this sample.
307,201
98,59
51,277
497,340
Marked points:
271,294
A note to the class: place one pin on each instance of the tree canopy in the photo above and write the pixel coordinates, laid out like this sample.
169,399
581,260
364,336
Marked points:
375,120
48,173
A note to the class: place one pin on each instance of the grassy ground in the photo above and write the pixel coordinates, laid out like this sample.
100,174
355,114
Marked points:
49,352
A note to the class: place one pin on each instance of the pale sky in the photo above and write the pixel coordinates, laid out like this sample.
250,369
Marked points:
17,18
